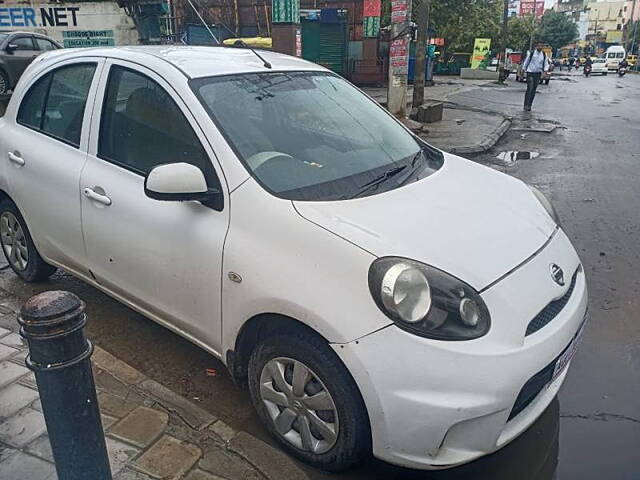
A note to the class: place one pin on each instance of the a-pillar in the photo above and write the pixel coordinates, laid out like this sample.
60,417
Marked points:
285,30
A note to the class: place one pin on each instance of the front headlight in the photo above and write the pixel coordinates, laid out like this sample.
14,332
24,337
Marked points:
426,301
548,206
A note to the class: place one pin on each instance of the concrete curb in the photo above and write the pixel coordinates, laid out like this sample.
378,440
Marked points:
488,142
272,463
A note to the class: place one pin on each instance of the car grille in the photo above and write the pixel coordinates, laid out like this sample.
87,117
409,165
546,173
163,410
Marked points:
550,312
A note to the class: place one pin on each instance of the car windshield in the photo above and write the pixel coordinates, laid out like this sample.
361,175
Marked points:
312,135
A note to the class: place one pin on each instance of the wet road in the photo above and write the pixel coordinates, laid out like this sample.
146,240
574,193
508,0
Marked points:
591,169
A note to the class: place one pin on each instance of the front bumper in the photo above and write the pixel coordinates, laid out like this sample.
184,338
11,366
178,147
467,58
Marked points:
435,404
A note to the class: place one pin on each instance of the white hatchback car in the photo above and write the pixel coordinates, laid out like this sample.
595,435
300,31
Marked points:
377,294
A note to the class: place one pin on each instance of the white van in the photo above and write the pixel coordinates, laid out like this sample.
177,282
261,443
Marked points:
614,55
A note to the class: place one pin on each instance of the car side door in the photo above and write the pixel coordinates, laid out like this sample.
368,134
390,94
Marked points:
45,142
163,258
19,53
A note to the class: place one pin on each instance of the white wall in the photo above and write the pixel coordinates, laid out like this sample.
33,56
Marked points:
73,24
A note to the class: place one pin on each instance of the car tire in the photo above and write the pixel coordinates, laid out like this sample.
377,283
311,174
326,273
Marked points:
18,247
325,376
4,83
546,82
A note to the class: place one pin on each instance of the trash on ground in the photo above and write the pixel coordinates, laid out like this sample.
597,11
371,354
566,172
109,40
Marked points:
512,155
211,372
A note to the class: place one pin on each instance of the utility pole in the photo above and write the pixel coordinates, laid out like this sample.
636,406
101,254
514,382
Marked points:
399,57
535,21
421,52
503,72
635,24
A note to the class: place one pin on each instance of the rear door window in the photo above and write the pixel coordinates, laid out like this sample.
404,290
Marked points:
55,104
44,44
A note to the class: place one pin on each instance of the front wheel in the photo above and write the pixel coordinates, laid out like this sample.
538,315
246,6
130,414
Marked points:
308,401
18,246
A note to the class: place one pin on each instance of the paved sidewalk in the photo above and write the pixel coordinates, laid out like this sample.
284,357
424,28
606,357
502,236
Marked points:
151,432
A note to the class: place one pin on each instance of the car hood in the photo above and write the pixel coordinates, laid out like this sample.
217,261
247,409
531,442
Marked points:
466,219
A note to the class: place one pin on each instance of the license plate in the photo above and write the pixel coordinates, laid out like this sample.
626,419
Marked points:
568,354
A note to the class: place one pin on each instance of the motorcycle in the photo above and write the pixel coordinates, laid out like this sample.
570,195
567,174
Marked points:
622,71
587,70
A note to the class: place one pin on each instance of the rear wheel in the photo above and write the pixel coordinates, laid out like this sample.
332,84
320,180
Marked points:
309,402
18,247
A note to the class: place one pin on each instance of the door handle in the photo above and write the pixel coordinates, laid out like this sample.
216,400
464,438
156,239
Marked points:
15,158
92,195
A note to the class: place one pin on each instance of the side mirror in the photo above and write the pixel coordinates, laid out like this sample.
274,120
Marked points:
11,47
178,182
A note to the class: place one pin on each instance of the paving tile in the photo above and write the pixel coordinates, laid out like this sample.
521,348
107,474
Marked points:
129,474
222,463
13,340
8,320
4,331
9,372
222,430
6,451
25,467
117,406
119,369
7,352
272,463
14,397
20,357
107,421
141,427
22,428
37,405
168,458
29,380
201,475
41,447
105,381
119,454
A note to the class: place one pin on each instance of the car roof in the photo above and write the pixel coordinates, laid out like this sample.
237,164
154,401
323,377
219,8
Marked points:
196,62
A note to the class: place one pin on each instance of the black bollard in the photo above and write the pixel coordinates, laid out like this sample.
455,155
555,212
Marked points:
59,354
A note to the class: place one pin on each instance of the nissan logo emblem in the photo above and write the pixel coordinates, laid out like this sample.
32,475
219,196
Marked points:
557,274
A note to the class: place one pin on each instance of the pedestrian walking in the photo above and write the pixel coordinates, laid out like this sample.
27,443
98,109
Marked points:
536,63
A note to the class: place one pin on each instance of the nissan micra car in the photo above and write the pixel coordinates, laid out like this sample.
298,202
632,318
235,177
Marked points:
376,294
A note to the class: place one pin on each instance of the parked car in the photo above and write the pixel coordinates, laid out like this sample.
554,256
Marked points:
599,66
545,77
17,51
375,293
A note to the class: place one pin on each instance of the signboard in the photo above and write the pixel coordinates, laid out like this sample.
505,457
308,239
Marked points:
399,11
438,41
614,36
39,17
399,55
87,38
480,51
285,11
371,8
371,26
371,18
528,7
298,42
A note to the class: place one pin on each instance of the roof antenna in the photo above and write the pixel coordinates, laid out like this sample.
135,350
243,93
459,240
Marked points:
240,43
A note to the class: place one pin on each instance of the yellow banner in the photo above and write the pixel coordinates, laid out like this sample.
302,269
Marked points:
480,53
614,36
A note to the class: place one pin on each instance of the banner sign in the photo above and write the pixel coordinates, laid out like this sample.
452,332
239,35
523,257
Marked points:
399,53
285,11
528,7
371,27
87,38
371,18
399,11
39,17
371,8
480,51
614,36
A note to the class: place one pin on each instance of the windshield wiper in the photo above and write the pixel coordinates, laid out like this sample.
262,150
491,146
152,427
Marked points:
379,179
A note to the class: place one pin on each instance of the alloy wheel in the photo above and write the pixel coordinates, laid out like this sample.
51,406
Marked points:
14,242
299,405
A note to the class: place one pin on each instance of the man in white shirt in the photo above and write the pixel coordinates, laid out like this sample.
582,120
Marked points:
534,65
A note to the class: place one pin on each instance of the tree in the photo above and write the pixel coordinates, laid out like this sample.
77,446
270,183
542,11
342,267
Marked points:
556,29
520,31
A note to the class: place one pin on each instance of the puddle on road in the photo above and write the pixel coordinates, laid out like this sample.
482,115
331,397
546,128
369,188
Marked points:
511,156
